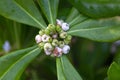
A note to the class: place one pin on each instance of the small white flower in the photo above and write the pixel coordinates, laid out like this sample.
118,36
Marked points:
65,26
55,42
63,35
47,52
38,38
57,51
54,36
66,49
45,38
59,22
48,47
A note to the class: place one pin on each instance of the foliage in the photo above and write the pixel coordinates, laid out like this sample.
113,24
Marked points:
88,19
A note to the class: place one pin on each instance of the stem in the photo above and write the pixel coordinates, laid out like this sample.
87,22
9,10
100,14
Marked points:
16,27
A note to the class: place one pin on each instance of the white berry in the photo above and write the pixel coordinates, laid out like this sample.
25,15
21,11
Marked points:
59,22
66,49
57,51
38,38
47,52
65,26
45,38
48,47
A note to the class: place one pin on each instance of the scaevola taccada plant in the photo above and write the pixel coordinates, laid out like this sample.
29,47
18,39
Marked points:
90,19
54,39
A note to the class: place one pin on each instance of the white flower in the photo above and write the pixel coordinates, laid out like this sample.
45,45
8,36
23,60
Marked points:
59,22
48,47
6,46
63,35
66,49
47,52
45,38
54,36
38,38
55,42
57,51
65,26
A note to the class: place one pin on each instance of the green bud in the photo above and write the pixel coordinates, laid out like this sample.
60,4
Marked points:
67,41
61,43
58,29
50,39
48,47
51,27
55,42
41,45
47,31
69,37
63,35
41,32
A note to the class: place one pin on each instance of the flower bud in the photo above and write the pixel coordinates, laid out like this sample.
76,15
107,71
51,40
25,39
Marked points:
47,31
45,38
41,32
67,41
51,27
65,26
69,37
61,43
59,22
48,47
57,52
66,49
58,28
54,36
38,38
47,52
50,40
55,42
41,45
63,35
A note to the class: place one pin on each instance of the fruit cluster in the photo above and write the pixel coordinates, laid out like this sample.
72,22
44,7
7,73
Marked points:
54,39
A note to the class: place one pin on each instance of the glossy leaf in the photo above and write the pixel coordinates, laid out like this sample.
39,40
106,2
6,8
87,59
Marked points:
97,8
30,8
99,30
16,62
60,73
75,17
66,70
114,71
49,8
10,10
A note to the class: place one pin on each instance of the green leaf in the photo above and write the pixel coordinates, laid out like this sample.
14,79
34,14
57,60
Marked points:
49,8
10,10
30,8
65,70
13,64
97,8
114,72
75,17
60,72
99,30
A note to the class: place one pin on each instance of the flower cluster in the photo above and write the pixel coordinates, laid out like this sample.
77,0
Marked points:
54,39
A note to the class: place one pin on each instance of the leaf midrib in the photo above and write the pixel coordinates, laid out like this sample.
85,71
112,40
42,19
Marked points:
51,17
42,26
9,68
62,69
73,31
74,20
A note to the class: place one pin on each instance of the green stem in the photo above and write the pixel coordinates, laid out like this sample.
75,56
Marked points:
16,27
